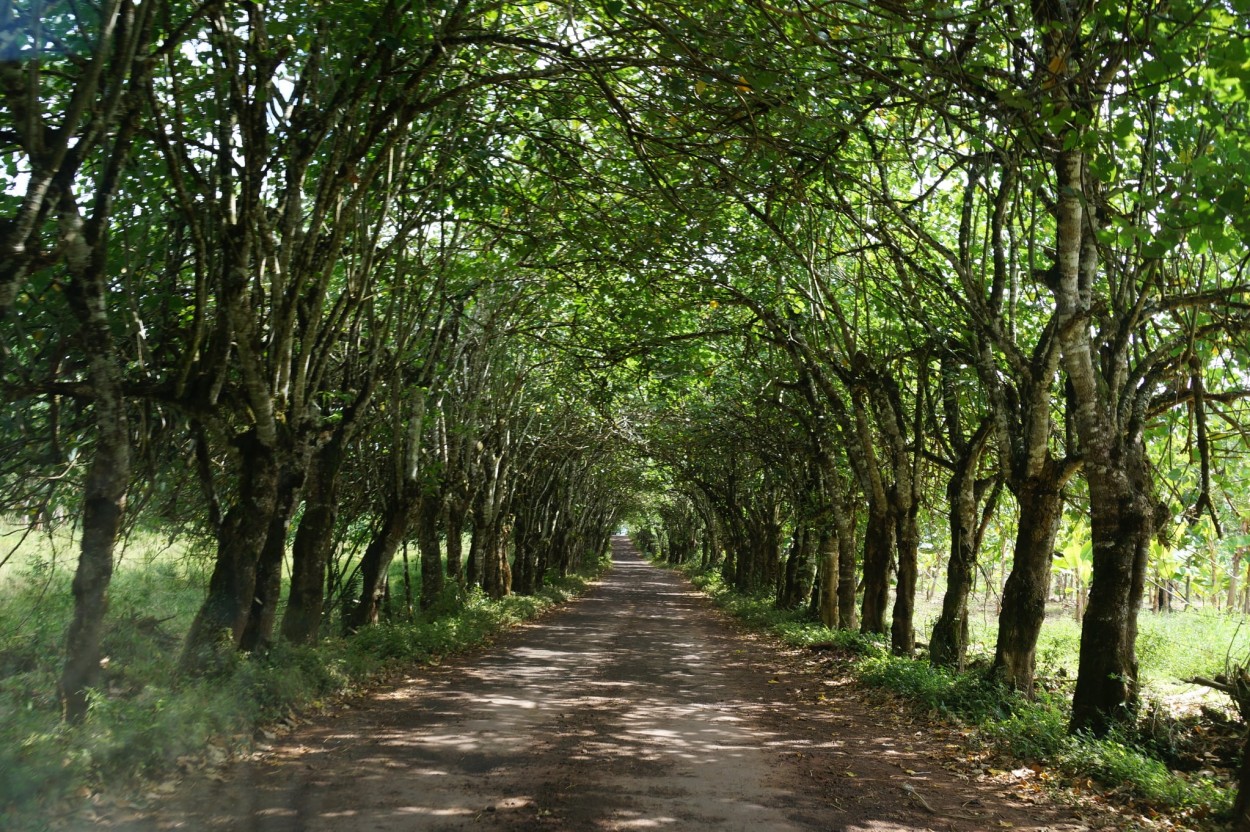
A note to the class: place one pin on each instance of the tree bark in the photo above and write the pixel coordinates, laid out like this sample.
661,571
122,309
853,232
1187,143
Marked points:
948,645
258,631
376,561
104,492
219,624
878,547
1123,517
428,513
454,525
1024,596
310,551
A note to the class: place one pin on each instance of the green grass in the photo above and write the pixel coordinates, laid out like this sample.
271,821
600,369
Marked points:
144,718
1171,646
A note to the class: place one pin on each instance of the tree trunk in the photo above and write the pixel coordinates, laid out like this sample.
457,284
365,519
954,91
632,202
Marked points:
902,628
1024,595
310,551
497,574
1241,805
104,492
1116,468
829,578
219,624
377,561
800,569
264,608
844,523
431,552
455,544
1122,525
949,645
878,547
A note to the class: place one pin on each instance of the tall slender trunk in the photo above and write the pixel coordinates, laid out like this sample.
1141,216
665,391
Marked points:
497,574
844,525
796,583
456,510
828,550
104,492
902,627
949,644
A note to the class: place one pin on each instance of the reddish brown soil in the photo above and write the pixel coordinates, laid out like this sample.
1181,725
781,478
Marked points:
638,706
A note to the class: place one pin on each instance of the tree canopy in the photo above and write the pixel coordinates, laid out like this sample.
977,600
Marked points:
801,290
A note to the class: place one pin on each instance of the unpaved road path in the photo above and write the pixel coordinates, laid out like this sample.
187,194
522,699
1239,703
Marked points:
637,706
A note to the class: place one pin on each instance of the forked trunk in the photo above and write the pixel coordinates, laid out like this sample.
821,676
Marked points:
219,624
264,608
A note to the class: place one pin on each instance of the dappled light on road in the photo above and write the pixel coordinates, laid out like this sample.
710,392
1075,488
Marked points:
633,708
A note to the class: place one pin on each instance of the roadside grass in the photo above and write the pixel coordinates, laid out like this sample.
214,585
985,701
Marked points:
1171,646
1029,730
146,721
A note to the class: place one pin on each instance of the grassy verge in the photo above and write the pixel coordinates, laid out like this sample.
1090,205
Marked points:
1026,730
145,721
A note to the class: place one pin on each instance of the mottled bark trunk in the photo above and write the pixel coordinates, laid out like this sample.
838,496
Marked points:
428,514
220,621
497,573
1241,805
1024,596
829,577
479,547
844,524
104,491
264,607
1122,526
310,551
878,547
949,644
376,561
902,626
456,511
524,560
799,570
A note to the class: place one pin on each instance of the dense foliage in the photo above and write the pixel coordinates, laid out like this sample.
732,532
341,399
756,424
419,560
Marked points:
810,292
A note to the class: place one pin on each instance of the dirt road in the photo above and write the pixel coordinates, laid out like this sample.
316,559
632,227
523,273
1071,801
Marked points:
638,706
